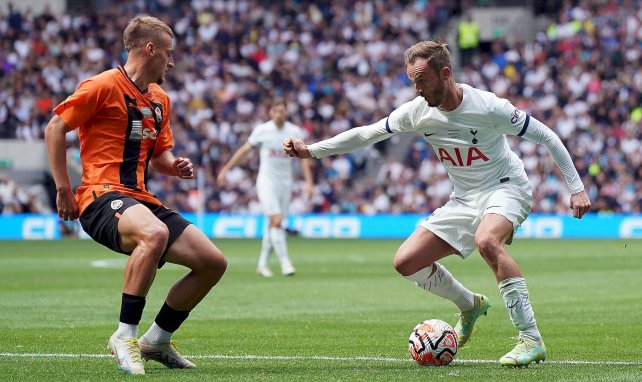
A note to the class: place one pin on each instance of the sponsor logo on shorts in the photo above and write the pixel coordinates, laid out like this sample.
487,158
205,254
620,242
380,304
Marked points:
116,204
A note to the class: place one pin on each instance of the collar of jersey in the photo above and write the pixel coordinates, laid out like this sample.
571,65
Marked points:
124,72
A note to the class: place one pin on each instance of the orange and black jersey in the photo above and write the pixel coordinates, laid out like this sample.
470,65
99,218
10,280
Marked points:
120,129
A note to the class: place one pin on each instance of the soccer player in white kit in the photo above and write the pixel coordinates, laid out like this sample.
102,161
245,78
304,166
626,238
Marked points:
466,128
274,182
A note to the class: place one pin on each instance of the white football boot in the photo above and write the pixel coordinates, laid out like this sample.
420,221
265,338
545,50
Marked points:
264,271
524,353
288,270
127,354
166,354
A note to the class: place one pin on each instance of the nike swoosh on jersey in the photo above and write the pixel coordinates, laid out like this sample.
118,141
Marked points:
427,135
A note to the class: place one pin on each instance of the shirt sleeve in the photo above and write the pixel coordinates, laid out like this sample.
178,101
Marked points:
255,137
81,106
400,120
539,133
510,120
351,140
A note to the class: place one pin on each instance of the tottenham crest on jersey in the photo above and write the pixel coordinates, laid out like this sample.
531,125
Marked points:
474,133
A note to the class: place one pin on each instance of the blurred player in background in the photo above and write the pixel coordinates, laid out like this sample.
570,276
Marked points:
274,182
123,120
492,196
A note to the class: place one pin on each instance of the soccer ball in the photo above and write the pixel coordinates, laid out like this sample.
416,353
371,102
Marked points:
433,343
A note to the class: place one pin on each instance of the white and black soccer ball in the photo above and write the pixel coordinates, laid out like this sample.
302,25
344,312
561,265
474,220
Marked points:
433,343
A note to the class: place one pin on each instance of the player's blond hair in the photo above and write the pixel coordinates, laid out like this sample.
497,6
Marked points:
278,101
435,53
143,29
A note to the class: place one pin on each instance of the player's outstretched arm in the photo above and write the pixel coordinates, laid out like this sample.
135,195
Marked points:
165,162
57,154
234,160
306,168
345,142
580,204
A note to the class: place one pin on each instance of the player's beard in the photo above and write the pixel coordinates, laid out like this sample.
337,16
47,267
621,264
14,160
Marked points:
160,79
437,96
279,121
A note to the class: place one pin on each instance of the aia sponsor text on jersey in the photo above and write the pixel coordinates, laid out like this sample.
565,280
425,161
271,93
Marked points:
459,157
273,153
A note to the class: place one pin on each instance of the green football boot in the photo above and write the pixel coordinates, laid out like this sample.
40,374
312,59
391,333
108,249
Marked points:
464,326
524,353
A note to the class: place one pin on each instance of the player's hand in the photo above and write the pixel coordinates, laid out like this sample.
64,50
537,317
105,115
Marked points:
184,168
67,205
296,148
580,204
308,190
221,178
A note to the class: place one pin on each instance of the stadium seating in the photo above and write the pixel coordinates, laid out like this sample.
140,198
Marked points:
340,67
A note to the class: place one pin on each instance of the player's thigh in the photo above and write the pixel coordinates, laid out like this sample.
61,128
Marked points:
420,250
504,210
495,229
193,249
114,216
271,200
139,223
455,223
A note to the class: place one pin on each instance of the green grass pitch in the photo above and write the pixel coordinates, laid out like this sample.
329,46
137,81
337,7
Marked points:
60,299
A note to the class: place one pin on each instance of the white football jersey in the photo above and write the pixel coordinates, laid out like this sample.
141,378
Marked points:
275,166
469,141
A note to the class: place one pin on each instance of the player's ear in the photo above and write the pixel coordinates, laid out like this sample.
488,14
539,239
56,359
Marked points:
149,48
445,73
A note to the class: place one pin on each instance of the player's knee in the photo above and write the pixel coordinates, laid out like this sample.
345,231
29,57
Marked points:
276,221
488,247
155,235
218,263
213,263
403,263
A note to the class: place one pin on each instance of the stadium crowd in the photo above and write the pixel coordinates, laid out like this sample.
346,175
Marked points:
340,66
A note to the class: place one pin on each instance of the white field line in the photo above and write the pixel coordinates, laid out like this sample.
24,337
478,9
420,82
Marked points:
315,358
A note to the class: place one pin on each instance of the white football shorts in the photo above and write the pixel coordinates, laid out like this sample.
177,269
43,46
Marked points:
457,221
274,198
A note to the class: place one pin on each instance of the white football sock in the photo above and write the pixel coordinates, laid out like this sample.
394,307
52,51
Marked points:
266,249
519,308
127,330
280,246
156,335
443,284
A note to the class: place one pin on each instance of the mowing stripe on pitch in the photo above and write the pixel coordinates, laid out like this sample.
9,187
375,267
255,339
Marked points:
313,358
